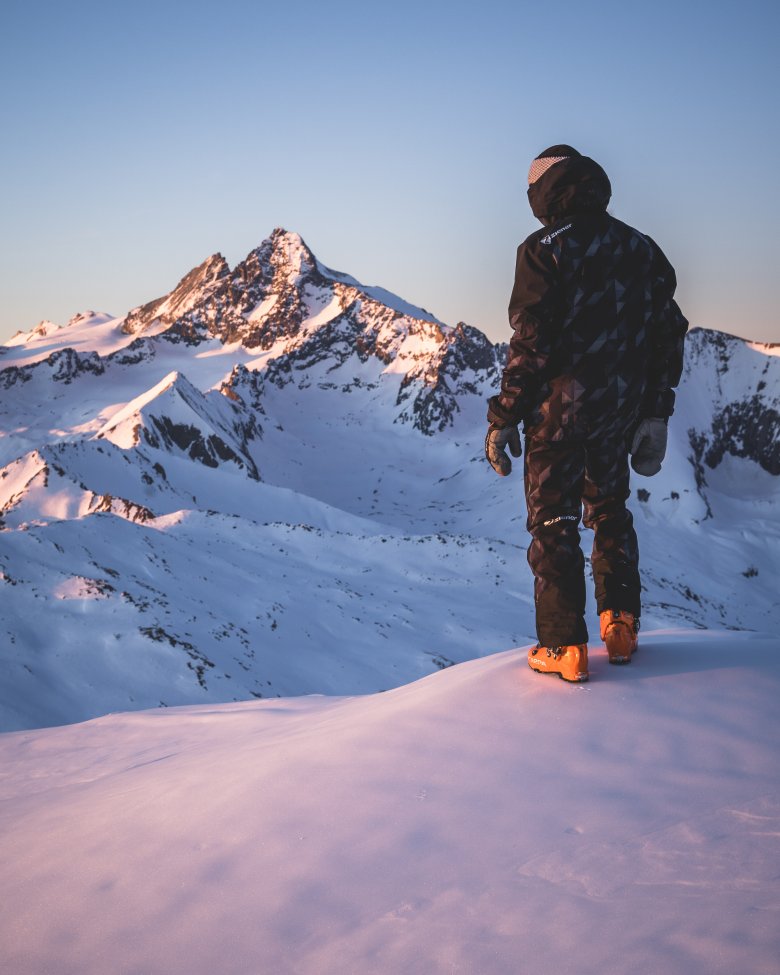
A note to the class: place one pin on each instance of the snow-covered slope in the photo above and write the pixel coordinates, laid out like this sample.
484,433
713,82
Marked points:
270,481
173,417
483,820
284,307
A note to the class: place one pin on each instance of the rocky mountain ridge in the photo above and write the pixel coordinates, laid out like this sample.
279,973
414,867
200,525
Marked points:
282,301
745,399
247,486
284,304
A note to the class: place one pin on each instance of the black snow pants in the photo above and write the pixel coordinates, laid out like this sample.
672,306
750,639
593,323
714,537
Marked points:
562,478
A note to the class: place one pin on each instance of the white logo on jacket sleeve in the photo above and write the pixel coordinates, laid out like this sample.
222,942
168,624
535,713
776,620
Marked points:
554,521
551,237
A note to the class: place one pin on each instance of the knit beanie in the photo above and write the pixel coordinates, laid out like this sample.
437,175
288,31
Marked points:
549,158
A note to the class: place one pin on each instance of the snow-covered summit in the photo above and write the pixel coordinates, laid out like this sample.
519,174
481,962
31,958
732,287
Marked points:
289,311
43,329
63,335
281,275
176,417
144,564
88,317
275,472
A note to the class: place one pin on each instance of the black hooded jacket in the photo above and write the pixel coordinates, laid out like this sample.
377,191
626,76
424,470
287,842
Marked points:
598,337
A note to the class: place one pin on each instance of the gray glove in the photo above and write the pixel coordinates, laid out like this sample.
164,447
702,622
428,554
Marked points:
496,442
648,447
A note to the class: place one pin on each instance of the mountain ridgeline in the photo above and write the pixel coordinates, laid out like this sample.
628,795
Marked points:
270,481
281,300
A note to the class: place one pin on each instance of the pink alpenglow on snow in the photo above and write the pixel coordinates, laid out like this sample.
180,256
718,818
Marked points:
481,820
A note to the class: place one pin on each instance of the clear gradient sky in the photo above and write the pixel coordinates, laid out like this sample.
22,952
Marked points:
138,138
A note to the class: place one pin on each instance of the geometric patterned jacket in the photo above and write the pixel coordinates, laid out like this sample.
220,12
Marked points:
597,339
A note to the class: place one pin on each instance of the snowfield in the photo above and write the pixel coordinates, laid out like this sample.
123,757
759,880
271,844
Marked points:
485,820
254,518
271,482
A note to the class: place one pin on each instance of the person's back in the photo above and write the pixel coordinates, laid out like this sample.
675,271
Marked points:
595,354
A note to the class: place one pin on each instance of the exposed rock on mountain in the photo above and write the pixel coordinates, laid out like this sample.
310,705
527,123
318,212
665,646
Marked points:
145,560
174,417
189,300
283,302
64,365
742,398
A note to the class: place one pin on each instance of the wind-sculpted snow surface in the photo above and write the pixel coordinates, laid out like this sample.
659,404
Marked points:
483,820
270,481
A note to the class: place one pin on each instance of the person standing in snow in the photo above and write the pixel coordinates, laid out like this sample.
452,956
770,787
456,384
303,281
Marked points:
596,352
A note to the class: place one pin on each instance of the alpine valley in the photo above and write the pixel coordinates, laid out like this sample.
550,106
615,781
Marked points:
271,482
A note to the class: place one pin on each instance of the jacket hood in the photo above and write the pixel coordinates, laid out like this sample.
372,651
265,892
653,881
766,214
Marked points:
576,184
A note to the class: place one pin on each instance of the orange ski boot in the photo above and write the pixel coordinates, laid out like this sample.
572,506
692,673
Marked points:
619,633
569,663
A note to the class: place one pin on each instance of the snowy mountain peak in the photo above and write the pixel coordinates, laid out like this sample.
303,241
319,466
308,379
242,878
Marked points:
283,308
89,317
44,328
175,418
289,250
125,434
131,479
192,291
279,292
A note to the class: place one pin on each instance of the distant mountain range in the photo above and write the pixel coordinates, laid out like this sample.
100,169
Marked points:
270,481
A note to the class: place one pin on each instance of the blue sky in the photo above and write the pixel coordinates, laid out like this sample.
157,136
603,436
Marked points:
395,138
